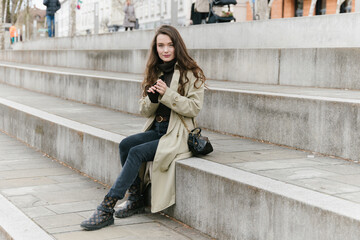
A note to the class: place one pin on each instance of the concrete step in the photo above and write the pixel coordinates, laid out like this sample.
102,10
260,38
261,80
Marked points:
42,199
316,119
325,67
232,203
318,31
244,190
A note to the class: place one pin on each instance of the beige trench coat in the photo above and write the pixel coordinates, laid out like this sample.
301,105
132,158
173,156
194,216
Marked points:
173,145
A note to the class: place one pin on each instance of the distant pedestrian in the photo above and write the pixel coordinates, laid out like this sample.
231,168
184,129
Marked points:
51,8
172,96
201,8
13,32
130,18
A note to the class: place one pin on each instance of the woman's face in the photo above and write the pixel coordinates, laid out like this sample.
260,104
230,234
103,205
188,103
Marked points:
165,48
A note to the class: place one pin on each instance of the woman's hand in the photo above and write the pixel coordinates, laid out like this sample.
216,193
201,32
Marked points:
152,89
160,87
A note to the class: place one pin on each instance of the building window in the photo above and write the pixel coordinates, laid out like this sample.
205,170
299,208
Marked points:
320,7
299,6
346,6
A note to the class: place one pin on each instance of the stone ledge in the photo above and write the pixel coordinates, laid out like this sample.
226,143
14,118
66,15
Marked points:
15,225
240,205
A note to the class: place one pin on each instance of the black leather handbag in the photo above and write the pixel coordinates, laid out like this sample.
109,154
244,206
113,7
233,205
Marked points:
198,144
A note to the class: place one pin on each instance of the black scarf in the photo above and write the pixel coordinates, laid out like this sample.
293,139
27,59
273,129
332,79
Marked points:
168,70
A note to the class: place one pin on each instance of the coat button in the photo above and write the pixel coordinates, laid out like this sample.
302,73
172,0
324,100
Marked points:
174,104
176,98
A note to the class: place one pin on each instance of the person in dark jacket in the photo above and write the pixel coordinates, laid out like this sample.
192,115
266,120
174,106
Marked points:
51,7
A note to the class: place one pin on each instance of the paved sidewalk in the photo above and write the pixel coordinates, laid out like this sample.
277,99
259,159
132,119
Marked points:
58,198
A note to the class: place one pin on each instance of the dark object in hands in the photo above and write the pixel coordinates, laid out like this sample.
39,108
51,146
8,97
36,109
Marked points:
155,96
199,145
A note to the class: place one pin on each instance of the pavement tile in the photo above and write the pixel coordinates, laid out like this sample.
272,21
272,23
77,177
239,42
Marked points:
17,157
34,212
135,219
238,146
30,190
289,174
154,231
23,182
84,183
355,196
87,214
353,179
25,161
25,173
72,195
329,160
59,220
220,157
346,169
178,227
19,154
327,186
144,231
271,154
26,201
39,163
11,147
276,164
67,229
107,233
73,206
70,178
4,167
214,136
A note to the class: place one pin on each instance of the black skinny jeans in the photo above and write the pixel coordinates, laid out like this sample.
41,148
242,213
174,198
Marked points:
134,150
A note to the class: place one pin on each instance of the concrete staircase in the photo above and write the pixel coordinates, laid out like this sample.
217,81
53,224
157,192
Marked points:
77,104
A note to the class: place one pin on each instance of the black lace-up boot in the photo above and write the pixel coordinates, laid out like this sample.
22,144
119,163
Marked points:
134,204
103,215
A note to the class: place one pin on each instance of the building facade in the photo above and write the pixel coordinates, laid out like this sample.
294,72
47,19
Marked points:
90,15
153,13
300,8
100,16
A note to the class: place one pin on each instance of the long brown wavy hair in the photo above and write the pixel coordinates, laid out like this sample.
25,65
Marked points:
185,63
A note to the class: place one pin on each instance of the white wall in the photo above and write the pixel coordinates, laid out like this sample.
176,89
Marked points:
62,19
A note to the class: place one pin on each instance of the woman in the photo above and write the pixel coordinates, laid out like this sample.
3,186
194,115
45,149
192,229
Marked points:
129,19
178,94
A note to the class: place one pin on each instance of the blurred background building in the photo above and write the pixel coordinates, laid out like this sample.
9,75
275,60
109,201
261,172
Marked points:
81,17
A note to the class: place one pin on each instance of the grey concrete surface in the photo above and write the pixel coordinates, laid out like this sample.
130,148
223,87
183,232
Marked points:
15,225
107,89
89,149
316,123
84,137
325,67
242,205
322,121
301,32
329,68
52,204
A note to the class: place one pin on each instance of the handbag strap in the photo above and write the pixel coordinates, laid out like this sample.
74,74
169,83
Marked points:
183,121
